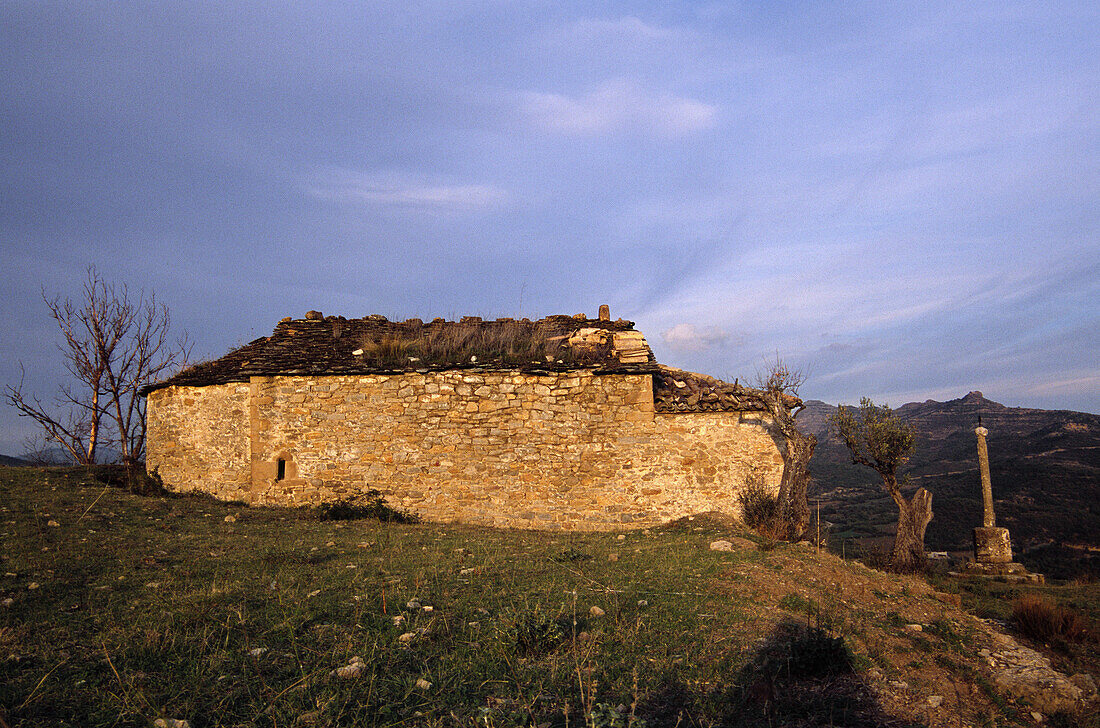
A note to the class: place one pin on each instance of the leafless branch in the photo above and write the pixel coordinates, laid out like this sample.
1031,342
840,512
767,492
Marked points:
113,345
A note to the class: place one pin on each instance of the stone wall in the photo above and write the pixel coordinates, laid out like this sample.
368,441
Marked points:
573,451
198,438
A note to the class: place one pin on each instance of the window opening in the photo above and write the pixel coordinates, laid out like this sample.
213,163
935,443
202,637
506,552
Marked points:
281,474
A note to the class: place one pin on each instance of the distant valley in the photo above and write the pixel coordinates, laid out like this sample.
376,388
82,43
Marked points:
1045,467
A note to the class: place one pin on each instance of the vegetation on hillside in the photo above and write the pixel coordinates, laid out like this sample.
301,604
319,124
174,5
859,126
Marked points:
117,609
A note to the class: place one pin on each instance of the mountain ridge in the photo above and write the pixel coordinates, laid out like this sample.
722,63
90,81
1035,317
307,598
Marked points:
1045,469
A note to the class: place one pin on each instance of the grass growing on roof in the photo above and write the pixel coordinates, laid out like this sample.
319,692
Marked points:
499,342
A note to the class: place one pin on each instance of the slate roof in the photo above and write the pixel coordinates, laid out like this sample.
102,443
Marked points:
676,390
373,344
318,345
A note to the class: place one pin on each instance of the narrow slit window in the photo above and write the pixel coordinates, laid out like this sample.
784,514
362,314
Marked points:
281,472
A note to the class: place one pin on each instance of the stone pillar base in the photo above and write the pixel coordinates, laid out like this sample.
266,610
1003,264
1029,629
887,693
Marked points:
1009,572
992,546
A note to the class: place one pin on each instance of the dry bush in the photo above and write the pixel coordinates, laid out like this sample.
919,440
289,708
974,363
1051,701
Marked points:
760,508
758,502
1036,617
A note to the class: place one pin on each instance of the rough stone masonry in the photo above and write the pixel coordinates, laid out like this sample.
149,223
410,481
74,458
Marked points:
564,423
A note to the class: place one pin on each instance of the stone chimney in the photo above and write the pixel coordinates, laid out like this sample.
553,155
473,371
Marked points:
314,316
605,312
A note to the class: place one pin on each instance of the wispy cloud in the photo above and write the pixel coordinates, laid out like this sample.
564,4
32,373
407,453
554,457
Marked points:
615,106
627,28
395,189
692,338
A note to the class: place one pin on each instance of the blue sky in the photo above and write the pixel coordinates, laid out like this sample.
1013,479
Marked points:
901,199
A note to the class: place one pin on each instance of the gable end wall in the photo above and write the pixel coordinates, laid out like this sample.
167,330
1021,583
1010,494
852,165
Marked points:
569,451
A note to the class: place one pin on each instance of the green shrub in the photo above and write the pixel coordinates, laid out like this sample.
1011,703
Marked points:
371,504
536,632
571,555
130,477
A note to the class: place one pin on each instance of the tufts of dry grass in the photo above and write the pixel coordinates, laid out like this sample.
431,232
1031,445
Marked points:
1036,617
508,342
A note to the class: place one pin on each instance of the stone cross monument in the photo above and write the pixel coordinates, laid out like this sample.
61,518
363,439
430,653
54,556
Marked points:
989,519
991,544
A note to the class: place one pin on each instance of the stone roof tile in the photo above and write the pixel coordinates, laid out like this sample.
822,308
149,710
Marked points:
317,345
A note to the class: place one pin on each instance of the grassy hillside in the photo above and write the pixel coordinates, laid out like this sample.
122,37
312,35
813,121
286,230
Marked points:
117,609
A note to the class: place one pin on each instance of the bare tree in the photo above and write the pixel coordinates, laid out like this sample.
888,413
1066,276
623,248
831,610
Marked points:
112,347
877,438
780,385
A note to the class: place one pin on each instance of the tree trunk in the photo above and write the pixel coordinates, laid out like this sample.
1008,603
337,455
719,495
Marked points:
93,433
794,509
913,519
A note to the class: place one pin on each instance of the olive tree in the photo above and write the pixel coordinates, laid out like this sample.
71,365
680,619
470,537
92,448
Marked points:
779,386
880,440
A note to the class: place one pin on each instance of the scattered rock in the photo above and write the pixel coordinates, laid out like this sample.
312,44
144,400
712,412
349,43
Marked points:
171,723
612,557
468,570
899,684
407,638
934,701
596,611
427,608
399,620
230,519
33,585
412,604
53,523
1037,716
353,669
7,602
423,684
733,543
621,537
1025,674
310,718
642,603
313,593
914,628
257,651
348,672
